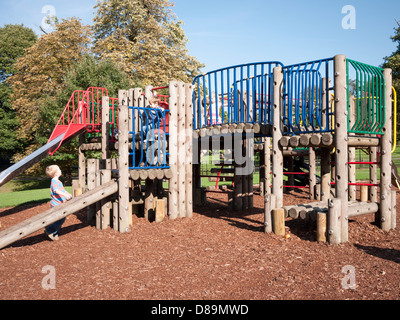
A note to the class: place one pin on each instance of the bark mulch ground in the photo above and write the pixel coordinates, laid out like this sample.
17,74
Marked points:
217,254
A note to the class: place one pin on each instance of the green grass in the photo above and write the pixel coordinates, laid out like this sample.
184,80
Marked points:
13,199
20,192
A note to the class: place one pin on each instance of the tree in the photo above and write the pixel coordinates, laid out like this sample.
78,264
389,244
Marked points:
393,62
40,74
89,72
145,39
14,39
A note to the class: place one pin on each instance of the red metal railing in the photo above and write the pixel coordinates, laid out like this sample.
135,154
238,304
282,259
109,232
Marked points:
83,110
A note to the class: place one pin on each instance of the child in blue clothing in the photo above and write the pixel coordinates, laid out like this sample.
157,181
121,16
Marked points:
58,196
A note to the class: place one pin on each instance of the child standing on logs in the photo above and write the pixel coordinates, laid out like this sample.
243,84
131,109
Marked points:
58,196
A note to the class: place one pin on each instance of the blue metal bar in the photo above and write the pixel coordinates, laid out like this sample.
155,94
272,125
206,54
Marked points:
248,95
254,90
222,98
235,98
204,102
303,95
241,104
327,97
216,98
227,84
155,136
209,112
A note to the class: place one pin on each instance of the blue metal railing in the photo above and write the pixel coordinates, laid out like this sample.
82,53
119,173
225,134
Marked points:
150,135
303,97
237,94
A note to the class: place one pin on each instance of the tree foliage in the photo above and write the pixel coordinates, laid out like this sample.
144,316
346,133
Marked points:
40,73
14,39
145,39
131,44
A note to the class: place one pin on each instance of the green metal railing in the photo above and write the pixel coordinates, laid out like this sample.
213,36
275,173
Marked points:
368,89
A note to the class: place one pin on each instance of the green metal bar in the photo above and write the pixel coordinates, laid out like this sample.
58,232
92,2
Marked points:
370,98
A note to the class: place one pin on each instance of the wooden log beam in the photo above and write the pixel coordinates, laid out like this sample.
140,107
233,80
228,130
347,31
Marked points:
363,142
173,207
33,224
123,163
385,216
189,149
341,141
277,155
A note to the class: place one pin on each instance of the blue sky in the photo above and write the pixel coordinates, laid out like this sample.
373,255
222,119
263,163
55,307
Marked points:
222,33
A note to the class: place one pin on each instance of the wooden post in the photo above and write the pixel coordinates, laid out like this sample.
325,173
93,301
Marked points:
278,221
115,215
160,210
269,203
352,152
138,101
105,203
394,210
82,163
267,159
250,159
77,192
148,93
341,160
325,174
123,163
386,157
173,150
189,150
98,184
245,178
352,174
149,200
105,128
181,151
334,212
321,226
262,172
373,157
196,169
312,172
91,184
238,177
277,153
75,186
364,194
